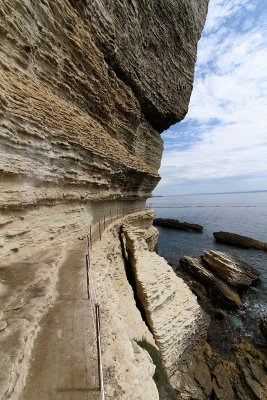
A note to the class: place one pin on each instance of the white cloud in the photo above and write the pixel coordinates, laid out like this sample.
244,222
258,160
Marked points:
228,108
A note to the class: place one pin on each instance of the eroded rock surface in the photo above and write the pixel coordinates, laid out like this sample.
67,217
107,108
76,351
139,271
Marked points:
177,322
176,224
151,237
230,268
218,290
236,370
234,239
86,87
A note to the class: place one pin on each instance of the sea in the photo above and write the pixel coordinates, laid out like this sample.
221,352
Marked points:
241,213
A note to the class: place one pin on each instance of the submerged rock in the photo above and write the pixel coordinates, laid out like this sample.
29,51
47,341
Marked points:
231,269
176,224
238,240
217,289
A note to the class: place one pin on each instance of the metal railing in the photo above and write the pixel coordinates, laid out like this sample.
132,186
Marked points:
96,232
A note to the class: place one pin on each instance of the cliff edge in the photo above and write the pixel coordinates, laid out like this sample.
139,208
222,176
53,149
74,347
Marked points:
86,88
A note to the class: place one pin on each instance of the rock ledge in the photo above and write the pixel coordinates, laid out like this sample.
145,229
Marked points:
176,224
240,241
231,269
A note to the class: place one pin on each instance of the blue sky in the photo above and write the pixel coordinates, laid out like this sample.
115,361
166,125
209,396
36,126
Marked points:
221,145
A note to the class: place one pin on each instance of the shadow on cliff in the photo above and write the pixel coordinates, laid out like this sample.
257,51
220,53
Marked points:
131,275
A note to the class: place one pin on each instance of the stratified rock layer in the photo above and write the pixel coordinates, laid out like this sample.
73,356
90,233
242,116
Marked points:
230,268
238,240
176,224
176,320
86,88
218,290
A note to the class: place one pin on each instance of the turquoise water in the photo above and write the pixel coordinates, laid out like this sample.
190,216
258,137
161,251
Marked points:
242,213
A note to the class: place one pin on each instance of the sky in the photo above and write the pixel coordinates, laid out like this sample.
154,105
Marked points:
221,145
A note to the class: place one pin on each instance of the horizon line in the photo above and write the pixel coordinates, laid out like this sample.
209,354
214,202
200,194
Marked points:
210,193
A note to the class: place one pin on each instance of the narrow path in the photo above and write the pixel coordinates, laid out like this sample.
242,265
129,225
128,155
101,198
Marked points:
64,359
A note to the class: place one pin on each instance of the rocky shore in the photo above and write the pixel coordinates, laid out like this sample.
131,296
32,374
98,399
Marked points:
86,89
233,239
176,224
209,285
236,370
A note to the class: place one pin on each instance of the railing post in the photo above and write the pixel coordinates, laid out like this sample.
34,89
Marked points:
98,341
99,230
87,276
104,222
87,245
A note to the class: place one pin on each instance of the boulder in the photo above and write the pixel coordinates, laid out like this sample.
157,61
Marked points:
263,326
240,241
218,290
231,269
176,224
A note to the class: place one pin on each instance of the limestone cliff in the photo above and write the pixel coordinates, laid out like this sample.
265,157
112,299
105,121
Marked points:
142,297
86,88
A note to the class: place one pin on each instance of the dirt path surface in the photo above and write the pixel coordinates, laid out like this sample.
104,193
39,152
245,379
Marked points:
64,360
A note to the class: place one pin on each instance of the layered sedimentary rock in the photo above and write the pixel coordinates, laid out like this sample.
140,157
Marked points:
128,369
234,371
231,269
218,290
176,224
151,238
238,240
177,322
242,378
86,87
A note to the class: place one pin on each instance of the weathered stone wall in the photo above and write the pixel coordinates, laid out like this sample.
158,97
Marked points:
142,297
85,89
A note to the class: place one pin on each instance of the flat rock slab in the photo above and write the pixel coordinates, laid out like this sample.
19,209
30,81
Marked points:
176,224
231,269
240,241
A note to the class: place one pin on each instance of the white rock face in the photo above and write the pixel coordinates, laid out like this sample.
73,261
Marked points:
177,323
175,318
151,238
128,369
